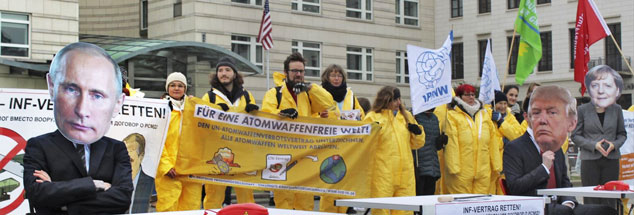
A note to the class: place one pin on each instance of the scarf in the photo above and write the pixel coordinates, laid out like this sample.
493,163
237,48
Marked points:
470,109
338,93
233,95
177,104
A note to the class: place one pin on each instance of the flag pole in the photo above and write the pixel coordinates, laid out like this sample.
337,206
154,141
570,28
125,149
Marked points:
268,77
508,61
623,56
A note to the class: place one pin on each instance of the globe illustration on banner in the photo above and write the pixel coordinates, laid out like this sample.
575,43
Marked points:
332,169
430,66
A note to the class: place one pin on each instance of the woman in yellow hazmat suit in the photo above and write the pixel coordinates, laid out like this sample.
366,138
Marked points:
333,79
393,174
500,116
172,193
467,159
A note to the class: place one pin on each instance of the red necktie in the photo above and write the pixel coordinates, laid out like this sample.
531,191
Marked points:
552,182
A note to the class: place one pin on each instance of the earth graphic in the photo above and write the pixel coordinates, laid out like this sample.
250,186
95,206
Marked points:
332,169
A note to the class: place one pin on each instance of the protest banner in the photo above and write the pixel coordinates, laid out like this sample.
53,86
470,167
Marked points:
27,113
627,150
270,152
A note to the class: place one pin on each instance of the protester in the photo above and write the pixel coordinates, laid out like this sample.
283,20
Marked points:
333,79
227,91
297,98
393,174
508,125
426,164
600,130
466,156
75,169
512,92
365,104
536,161
172,193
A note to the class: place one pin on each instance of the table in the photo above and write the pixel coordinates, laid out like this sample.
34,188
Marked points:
589,192
428,205
272,211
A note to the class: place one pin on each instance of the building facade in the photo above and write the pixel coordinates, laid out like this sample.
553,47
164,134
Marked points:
475,21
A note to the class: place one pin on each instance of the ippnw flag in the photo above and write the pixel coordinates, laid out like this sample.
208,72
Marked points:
264,36
430,75
590,28
489,81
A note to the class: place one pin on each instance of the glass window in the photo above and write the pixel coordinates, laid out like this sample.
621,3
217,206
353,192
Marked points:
516,45
484,6
15,34
571,33
482,48
543,1
402,69
312,6
251,2
359,63
144,11
456,8
406,12
248,48
546,63
178,8
512,4
612,56
457,61
312,54
361,9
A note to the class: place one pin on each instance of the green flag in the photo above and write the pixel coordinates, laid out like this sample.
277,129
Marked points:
530,50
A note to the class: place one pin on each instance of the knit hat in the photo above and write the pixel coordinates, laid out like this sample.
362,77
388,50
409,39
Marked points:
464,88
500,97
175,76
227,61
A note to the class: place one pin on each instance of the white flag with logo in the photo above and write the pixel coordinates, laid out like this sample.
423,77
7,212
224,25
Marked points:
430,75
489,81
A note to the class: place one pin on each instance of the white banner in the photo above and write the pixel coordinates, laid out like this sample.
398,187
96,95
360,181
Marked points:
628,146
531,206
27,113
430,75
489,81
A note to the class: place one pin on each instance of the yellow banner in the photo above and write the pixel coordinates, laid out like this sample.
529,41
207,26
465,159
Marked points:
268,152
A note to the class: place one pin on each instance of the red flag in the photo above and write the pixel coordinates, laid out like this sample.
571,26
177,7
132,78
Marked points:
590,28
264,36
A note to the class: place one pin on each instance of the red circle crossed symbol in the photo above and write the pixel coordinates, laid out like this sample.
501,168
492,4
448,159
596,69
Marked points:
19,147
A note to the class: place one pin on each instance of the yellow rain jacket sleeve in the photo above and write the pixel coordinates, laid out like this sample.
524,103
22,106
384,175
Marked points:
315,100
467,156
394,165
511,128
631,109
237,106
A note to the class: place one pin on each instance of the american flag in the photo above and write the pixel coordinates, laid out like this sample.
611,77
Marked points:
264,36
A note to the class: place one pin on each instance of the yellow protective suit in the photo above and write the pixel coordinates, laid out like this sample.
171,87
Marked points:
174,194
393,174
511,128
496,149
631,109
316,100
327,203
215,194
467,156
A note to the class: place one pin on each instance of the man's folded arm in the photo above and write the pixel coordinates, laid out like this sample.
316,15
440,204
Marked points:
517,182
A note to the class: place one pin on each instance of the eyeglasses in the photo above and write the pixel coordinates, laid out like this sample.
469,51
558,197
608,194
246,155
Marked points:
297,70
336,76
469,94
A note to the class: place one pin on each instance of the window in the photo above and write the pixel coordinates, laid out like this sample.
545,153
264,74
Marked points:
512,4
402,69
571,32
546,63
482,49
306,5
178,8
361,9
248,48
612,56
516,45
144,11
543,1
359,63
625,100
484,6
15,34
456,8
312,54
251,2
457,61
407,12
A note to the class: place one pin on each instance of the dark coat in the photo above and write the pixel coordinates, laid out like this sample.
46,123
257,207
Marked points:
71,185
427,157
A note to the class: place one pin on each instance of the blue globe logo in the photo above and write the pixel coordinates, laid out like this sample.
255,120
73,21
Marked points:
430,66
332,169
